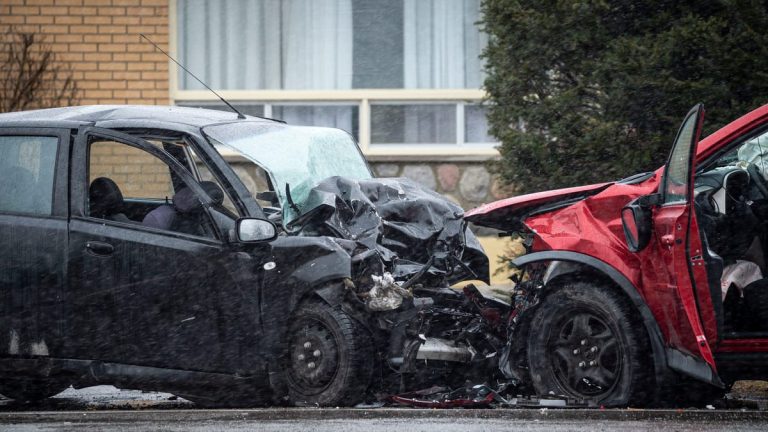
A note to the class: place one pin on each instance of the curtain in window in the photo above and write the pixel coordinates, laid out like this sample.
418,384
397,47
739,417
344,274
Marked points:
442,44
266,44
338,116
317,44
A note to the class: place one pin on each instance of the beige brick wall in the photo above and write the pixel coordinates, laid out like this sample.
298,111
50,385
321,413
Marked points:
137,173
100,40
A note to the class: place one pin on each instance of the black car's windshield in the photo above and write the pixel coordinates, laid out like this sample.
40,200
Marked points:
295,155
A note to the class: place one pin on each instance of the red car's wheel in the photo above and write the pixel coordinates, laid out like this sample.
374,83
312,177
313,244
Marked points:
586,343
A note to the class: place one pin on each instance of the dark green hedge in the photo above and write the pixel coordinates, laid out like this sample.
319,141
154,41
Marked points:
588,91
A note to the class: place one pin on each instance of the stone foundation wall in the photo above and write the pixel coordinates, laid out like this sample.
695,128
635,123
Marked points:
469,184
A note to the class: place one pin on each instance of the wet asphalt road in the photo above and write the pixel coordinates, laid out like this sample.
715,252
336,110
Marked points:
106,408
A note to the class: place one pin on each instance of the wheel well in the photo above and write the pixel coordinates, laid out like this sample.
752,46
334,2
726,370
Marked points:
585,273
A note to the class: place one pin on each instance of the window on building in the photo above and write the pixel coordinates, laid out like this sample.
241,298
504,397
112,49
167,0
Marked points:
331,44
390,72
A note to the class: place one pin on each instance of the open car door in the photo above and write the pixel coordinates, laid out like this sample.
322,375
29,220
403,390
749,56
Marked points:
682,275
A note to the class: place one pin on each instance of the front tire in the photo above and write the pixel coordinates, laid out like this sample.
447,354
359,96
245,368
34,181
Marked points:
587,343
329,359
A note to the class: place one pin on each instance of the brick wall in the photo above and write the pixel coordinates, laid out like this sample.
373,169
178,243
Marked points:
99,40
137,173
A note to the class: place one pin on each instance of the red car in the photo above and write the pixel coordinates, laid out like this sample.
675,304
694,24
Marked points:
630,288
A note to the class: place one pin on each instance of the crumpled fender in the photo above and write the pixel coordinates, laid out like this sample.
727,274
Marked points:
301,265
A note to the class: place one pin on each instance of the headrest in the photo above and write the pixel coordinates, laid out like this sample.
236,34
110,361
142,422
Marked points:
104,197
185,200
214,191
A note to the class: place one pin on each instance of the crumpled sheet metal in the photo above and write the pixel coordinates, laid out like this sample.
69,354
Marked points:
406,223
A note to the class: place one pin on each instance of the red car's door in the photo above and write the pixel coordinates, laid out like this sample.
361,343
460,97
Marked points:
690,319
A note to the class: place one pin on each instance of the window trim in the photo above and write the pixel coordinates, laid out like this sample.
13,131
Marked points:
149,230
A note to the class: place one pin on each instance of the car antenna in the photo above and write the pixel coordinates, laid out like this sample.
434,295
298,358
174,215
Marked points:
239,114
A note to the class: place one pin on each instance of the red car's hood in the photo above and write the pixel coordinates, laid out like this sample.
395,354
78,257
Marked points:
501,214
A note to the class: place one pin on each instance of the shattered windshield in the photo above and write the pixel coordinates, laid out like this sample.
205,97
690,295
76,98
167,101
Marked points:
297,156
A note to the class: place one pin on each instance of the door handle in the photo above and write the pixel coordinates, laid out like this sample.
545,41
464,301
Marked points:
99,248
668,240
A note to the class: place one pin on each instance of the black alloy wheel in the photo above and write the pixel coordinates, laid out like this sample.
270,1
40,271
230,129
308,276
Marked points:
329,358
587,356
587,342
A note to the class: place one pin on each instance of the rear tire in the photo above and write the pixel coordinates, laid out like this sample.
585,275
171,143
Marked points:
329,359
587,343
31,390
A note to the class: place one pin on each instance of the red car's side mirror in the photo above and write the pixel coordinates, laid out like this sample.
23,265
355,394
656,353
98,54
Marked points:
637,221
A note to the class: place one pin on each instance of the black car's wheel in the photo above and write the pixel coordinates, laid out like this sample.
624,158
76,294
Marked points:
586,343
31,390
329,357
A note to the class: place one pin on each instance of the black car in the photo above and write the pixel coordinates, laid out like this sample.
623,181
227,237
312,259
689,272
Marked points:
133,254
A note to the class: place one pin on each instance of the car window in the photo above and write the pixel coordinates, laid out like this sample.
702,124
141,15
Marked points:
750,150
207,175
677,174
27,164
130,185
137,173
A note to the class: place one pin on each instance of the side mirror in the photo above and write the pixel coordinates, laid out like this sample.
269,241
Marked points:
637,221
252,230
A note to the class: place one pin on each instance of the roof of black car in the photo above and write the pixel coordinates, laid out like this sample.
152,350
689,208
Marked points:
89,114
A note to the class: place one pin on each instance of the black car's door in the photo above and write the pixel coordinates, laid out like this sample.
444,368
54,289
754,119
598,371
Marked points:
33,238
140,293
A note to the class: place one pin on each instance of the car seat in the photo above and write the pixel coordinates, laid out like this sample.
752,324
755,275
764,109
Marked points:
185,215
106,201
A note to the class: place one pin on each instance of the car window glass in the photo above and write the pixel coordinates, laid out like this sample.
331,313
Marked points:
28,166
677,174
137,173
206,175
751,150
130,185
256,179
754,151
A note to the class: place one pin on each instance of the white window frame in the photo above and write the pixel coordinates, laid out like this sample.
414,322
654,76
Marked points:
363,98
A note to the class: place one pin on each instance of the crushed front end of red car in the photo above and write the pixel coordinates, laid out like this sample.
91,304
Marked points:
560,230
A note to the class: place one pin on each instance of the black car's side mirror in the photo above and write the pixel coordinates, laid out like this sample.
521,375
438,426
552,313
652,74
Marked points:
637,219
253,230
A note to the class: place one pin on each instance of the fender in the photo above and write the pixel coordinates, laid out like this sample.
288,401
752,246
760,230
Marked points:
654,332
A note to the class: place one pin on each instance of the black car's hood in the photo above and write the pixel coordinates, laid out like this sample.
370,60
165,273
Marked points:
405,223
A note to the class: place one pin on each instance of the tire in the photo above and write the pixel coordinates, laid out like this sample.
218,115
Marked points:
587,343
31,390
329,358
